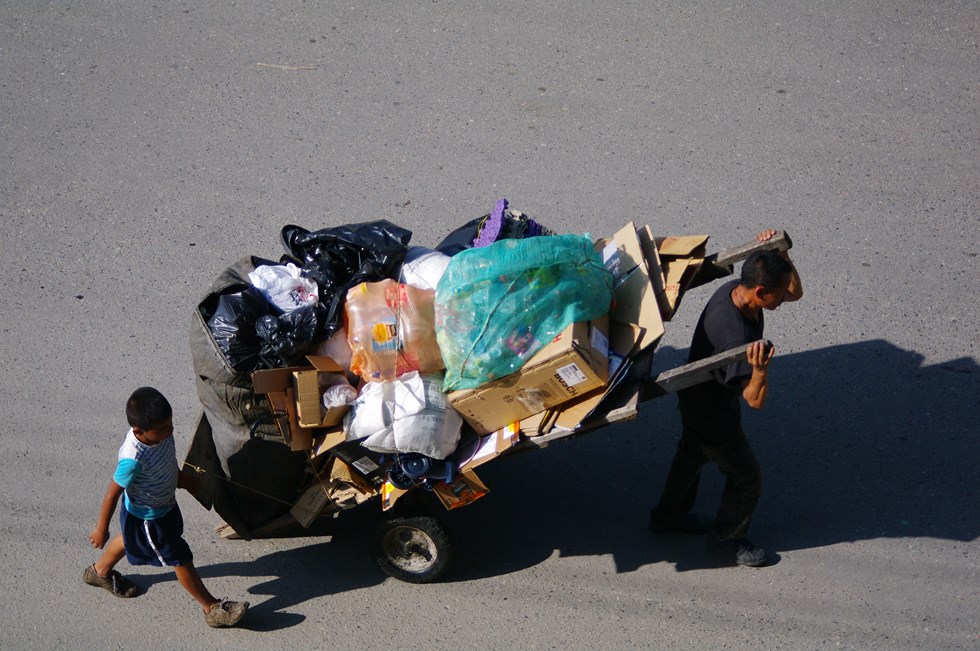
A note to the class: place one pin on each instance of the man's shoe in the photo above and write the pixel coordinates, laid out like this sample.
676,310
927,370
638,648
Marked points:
686,523
225,613
740,550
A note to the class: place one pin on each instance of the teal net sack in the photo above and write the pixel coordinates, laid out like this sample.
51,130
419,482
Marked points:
498,305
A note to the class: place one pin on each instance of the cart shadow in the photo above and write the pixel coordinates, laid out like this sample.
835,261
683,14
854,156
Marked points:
858,442
294,576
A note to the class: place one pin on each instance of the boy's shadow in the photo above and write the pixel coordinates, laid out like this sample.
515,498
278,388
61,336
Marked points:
297,575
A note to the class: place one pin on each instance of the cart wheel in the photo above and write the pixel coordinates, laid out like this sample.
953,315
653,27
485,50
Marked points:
414,550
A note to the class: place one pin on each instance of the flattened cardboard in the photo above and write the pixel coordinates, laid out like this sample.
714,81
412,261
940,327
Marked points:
572,364
327,441
680,257
635,290
310,504
342,472
655,267
494,444
390,495
531,426
465,489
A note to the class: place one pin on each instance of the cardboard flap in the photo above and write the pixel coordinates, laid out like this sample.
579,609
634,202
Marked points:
273,379
637,282
682,245
325,364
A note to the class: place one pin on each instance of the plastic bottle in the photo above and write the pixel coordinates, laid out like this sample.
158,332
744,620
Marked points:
391,330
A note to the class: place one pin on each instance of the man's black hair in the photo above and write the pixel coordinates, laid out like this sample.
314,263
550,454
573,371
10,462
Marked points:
765,268
147,408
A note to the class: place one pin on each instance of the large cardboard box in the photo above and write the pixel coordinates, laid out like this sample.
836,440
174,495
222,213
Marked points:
572,364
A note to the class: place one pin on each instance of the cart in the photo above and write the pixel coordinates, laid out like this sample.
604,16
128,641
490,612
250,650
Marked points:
410,541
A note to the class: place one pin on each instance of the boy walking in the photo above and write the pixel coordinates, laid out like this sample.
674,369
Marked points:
147,477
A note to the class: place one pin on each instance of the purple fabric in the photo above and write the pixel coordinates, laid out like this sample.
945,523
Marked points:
492,227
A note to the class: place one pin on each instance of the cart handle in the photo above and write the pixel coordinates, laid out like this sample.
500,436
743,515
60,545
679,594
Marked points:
696,372
271,417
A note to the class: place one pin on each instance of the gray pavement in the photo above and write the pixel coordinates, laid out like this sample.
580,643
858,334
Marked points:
146,146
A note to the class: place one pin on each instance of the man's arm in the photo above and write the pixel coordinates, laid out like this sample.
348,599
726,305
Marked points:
755,390
100,534
795,290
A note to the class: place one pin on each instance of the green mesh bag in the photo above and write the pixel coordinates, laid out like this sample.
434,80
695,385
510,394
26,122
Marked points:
498,305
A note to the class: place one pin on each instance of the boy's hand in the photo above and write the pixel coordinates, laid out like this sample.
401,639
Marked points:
98,538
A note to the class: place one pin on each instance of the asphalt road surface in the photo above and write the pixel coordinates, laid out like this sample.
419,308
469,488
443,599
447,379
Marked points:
146,146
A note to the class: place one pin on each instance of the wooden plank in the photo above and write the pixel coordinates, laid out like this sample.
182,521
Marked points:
694,373
778,242
722,264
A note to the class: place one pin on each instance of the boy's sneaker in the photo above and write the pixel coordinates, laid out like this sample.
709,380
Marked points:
686,523
114,582
740,550
225,613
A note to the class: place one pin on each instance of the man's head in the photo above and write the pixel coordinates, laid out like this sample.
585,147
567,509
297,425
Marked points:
149,414
767,275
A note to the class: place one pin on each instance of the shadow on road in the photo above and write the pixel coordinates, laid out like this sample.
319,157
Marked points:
858,442
318,569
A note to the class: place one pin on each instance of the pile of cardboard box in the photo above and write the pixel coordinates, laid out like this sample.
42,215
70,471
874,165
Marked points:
559,386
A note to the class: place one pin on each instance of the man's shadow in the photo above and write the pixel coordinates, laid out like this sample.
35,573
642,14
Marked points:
857,442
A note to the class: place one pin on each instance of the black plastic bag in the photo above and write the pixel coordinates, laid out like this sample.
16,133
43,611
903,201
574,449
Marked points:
341,257
233,328
286,338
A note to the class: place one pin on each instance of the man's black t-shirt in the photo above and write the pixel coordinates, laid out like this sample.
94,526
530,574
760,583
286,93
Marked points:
712,408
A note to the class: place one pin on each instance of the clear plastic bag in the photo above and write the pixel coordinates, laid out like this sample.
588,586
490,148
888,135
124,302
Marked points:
391,330
498,305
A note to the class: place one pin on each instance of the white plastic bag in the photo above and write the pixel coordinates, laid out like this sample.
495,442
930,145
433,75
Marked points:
423,267
283,286
407,414
337,391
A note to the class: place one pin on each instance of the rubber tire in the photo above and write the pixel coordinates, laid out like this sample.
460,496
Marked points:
413,549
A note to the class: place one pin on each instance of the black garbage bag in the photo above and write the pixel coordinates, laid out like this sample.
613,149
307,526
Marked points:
341,257
232,326
286,338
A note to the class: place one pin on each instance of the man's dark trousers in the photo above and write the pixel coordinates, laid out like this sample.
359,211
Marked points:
734,457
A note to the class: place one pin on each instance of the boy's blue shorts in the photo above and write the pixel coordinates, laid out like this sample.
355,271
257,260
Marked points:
155,542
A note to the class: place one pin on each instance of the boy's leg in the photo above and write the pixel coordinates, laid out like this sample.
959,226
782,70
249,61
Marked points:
217,613
191,580
102,573
111,555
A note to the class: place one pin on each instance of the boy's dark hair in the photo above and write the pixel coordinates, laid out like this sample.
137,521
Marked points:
146,408
765,268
